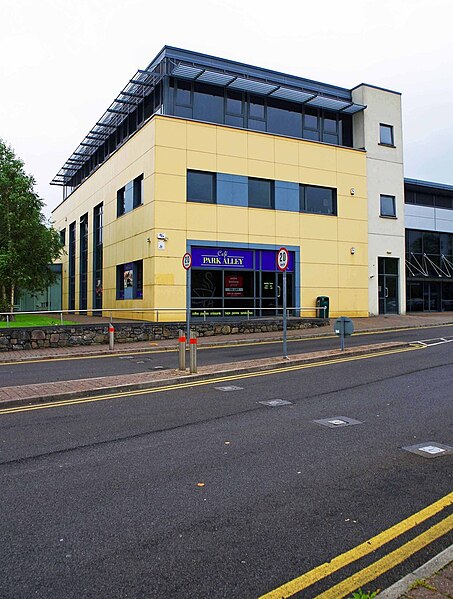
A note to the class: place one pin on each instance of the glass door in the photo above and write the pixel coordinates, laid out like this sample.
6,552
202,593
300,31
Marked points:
388,285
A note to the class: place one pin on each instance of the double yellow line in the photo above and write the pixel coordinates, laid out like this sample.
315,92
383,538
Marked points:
203,382
389,561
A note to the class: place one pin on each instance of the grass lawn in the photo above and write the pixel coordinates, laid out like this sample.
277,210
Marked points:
33,320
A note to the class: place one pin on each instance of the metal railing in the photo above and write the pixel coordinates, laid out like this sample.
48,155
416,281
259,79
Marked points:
179,314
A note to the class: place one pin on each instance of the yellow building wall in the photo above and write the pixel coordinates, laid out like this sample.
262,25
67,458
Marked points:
163,150
327,265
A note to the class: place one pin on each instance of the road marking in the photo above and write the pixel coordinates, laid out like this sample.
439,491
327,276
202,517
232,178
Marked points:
190,384
223,346
309,578
389,561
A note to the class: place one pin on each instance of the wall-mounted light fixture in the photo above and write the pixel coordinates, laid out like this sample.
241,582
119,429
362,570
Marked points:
352,250
352,191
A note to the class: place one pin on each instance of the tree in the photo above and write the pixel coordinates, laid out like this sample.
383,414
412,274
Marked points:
28,243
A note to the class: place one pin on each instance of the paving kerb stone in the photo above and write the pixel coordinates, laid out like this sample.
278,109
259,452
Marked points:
51,392
171,345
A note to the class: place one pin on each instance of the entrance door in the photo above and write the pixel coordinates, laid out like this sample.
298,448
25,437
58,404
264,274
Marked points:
269,293
431,297
388,285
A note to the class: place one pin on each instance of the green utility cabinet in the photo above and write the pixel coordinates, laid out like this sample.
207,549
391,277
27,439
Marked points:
322,301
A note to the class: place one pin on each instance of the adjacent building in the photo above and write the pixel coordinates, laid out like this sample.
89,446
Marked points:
230,162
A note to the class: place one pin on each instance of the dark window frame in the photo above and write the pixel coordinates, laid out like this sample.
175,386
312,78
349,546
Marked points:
253,203
136,187
389,128
303,200
136,267
191,196
381,212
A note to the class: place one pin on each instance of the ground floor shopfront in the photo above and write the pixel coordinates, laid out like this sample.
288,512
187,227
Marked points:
240,282
429,295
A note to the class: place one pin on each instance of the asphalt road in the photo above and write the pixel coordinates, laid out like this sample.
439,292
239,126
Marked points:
202,493
42,371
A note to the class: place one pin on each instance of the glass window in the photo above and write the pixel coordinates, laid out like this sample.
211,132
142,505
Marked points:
257,125
409,197
311,120
201,187
386,134
234,103
284,118
431,243
256,108
414,239
446,244
234,121
208,103
424,199
261,193
183,95
330,123
130,196
443,202
388,206
318,200
129,280
63,236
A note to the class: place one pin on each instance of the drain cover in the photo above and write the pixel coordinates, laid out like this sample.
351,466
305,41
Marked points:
229,388
337,421
273,403
430,449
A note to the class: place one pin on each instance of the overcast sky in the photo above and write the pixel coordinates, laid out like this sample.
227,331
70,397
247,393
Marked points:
64,61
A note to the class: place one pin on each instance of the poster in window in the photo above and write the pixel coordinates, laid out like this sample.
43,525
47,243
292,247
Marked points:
128,277
234,286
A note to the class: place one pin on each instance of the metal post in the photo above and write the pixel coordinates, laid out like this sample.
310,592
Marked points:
7,321
111,337
61,317
285,351
193,352
182,350
342,336
189,293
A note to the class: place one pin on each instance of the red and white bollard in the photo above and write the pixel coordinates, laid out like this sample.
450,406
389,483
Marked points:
193,352
182,350
111,336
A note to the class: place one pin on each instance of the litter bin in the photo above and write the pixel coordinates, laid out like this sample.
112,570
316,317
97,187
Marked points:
322,306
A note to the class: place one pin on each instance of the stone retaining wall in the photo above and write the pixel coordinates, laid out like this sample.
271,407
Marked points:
74,335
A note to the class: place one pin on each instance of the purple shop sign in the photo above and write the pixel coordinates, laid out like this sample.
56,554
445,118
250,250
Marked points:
269,260
221,258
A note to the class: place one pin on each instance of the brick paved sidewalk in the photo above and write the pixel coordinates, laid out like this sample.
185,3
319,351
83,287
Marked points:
437,586
373,323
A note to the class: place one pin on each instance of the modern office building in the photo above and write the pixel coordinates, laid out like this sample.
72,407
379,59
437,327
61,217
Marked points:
429,246
231,162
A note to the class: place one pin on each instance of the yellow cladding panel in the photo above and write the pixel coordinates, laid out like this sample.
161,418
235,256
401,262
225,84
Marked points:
286,151
351,161
353,302
201,217
286,172
317,156
358,258
309,295
352,230
232,220
232,165
314,275
314,226
200,161
287,225
261,169
170,188
261,222
261,147
352,207
231,142
353,276
319,251
201,138
170,215
171,133
358,183
172,161
312,176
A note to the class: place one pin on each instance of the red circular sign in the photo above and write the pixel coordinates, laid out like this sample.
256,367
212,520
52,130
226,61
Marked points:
282,259
187,260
